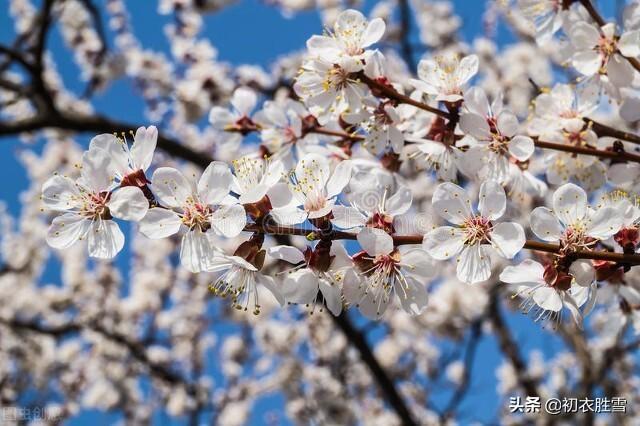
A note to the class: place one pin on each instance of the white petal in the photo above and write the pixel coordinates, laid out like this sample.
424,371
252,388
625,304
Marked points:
475,100
569,203
373,33
160,223
629,44
475,125
97,170
507,238
339,179
220,117
468,68
414,297
624,175
244,100
347,217
171,187
215,182
300,287
315,169
105,239
620,72
586,62
375,241
604,223
547,298
400,202
65,230
521,147
507,124
270,284
286,253
196,252
451,203
492,200
60,193
143,147
280,196
584,273
288,216
528,271
332,296
418,263
128,203
474,264
229,221
115,148
444,242
574,310
545,224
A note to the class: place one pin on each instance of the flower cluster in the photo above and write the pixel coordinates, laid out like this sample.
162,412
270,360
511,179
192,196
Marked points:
313,175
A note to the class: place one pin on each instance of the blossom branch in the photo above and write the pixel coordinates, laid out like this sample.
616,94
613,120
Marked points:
312,235
392,93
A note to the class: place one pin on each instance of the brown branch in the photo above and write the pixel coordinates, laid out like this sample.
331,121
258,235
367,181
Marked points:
392,93
603,130
99,124
620,155
510,349
386,385
313,234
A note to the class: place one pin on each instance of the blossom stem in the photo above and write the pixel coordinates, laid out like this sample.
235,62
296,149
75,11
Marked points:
622,155
603,130
312,235
391,93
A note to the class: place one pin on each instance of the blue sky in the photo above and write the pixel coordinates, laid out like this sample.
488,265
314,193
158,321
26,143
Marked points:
251,32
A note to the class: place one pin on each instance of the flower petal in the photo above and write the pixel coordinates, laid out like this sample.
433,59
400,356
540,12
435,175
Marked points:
545,224
583,272
492,200
451,203
570,203
528,271
66,230
373,33
414,297
287,253
214,183
60,193
604,223
521,147
300,286
547,298
160,223
144,144
474,264
508,239
171,187
332,295
229,221
400,202
444,242
375,241
128,203
196,253
105,239
339,179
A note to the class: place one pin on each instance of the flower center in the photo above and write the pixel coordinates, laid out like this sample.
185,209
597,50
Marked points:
197,214
477,229
95,205
315,201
